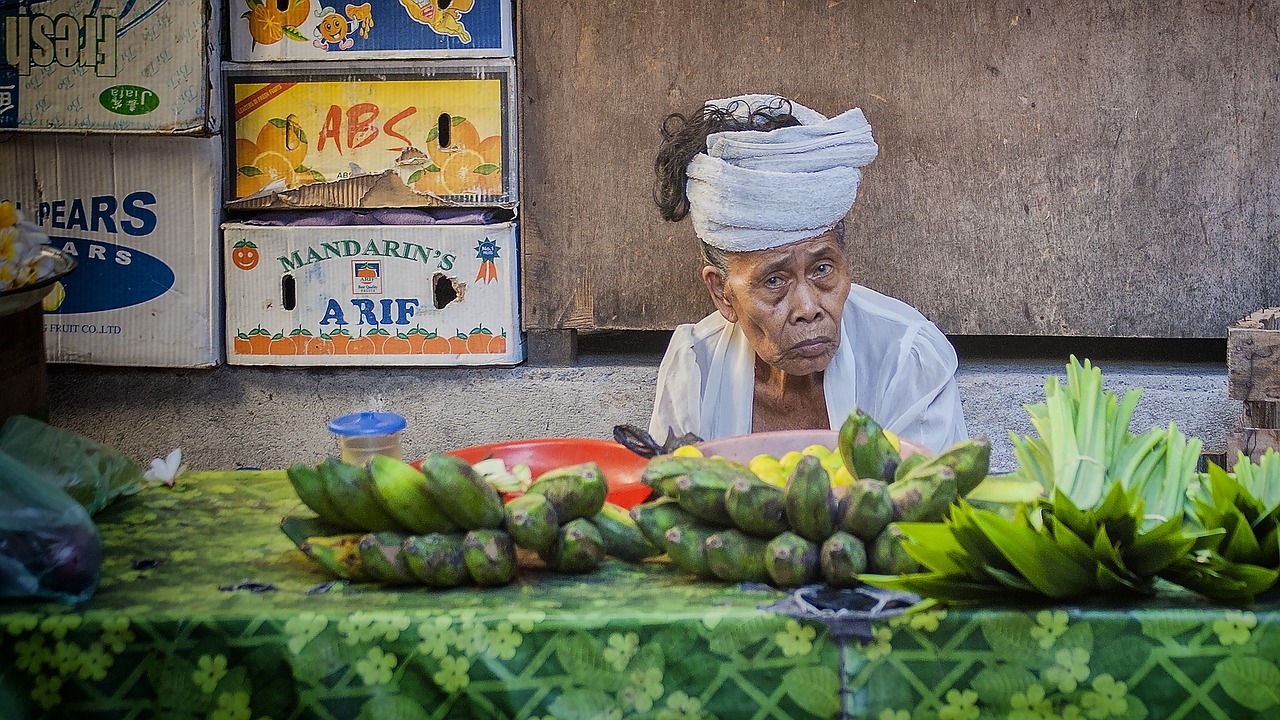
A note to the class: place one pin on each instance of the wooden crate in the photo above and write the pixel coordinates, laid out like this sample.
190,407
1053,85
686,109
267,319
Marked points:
1253,377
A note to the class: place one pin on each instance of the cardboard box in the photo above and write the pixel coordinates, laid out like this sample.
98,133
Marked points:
141,216
122,67
377,29
433,134
372,295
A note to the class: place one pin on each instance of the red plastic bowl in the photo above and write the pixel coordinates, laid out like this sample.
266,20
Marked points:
620,466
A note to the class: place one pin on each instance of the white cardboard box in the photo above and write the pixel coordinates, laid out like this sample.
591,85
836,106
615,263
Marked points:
117,67
140,215
372,295
273,30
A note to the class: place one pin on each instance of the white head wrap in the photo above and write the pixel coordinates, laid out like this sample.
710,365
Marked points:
757,189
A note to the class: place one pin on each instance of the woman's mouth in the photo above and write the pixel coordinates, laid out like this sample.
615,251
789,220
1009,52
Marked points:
814,347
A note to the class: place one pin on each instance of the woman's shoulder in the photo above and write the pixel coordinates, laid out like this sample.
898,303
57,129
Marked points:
870,314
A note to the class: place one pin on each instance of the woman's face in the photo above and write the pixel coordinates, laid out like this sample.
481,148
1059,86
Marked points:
787,300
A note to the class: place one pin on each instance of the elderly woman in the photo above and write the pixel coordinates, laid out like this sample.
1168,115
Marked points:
794,344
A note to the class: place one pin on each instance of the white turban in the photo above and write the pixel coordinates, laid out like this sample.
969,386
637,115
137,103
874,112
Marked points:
756,189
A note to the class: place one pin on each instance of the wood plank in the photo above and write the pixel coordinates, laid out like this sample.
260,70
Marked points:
1253,364
551,348
1075,168
1253,442
1260,414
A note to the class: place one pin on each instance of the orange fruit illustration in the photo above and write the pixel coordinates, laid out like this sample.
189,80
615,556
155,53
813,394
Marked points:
299,337
491,149
317,346
398,345
458,344
430,182
266,23
378,337
457,172
462,135
434,344
241,344
297,13
478,340
340,340
249,179
244,255
259,341
360,346
283,136
281,345
498,344
275,166
416,337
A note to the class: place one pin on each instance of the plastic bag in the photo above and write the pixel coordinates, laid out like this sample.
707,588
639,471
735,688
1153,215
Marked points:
89,471
49,546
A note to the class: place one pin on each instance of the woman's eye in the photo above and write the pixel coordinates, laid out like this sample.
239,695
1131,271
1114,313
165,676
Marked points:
825,268
773,281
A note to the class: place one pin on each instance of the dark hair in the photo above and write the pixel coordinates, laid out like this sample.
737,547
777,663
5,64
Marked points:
684,137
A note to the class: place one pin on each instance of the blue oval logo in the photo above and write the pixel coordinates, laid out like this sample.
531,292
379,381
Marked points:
110,277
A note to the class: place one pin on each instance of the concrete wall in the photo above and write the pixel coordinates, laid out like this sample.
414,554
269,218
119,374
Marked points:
233,417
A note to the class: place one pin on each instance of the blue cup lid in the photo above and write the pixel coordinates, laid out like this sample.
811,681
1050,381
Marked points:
367,423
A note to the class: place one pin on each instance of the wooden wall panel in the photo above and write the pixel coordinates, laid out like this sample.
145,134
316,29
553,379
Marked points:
1075,168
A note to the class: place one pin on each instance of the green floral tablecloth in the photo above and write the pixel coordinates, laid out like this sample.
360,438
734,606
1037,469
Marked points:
207,611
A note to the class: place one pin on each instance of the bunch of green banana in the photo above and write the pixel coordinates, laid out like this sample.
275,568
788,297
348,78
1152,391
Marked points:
438,560
866,450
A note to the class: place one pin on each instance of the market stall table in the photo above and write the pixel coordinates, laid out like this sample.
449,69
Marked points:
207,610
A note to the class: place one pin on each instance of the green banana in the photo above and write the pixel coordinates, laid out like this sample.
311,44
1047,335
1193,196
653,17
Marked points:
401,490
579,548
350,488
309,486
889,557
457,489
338,554
436,559
702,494
662,472
380,555
490,557
866,450
656,517
301,529
808,501
841,559
924,497
734,556
686,545
791,560
575,491
622,537
865,509
970,460
756,507
532,523
909,464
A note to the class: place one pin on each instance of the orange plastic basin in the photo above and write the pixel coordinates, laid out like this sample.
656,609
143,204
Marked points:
620,466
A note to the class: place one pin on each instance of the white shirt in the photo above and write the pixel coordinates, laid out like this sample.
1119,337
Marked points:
892,362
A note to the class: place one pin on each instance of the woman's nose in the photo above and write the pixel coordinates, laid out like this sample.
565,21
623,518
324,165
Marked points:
805,307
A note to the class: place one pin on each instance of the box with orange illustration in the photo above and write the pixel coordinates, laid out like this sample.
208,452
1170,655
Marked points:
372,295
436,134
273,30
140,215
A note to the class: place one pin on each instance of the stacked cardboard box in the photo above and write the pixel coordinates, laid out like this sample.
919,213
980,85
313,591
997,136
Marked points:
382,141
111,145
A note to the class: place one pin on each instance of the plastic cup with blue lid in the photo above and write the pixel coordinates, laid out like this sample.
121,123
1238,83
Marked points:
365,434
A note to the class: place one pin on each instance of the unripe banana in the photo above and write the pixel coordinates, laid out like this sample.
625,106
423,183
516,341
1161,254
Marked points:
436,559
791,560
756,507
309,486
532,523
339,555
490,557
402,492
970,460
301,529
579,548
656,517
686,545
380,555
350,489
866,450
889,556
662,472
908,465
924,497
734,556
841,559
575,491
621,536
865,509
702,494
457,489
810,505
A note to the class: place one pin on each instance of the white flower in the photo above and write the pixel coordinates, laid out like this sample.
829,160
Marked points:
166,470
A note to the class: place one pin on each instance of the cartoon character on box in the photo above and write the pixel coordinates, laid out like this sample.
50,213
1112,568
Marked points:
335,29
442,16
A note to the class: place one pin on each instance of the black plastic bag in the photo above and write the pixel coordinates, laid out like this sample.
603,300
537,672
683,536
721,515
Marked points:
49,546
